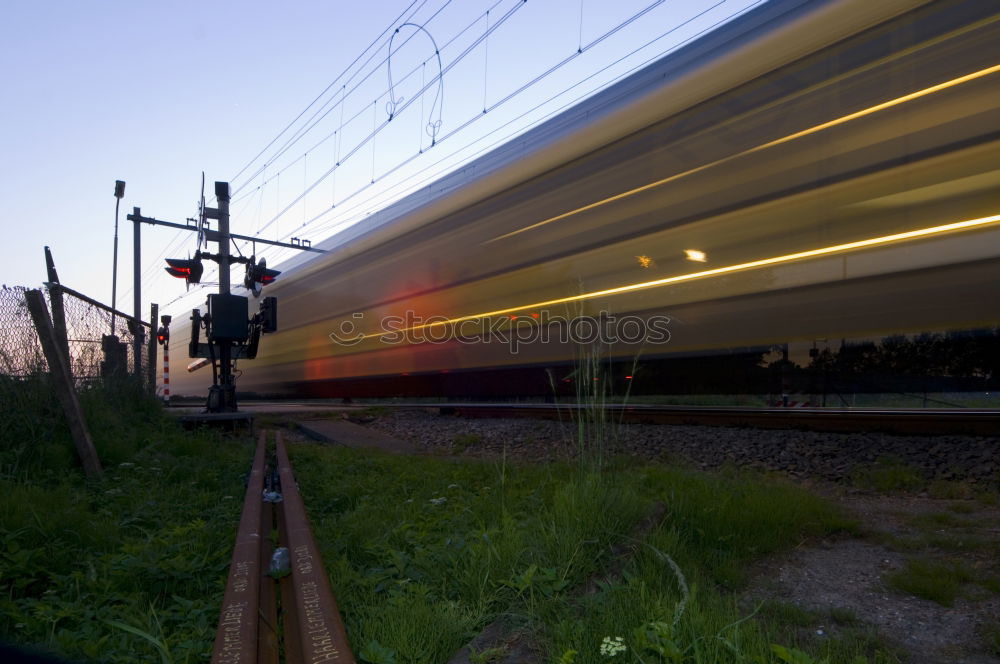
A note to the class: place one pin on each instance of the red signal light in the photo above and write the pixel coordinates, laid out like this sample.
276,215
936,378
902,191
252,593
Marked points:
189,269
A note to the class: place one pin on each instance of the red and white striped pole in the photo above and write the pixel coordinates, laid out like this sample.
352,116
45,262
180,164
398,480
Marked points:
166,371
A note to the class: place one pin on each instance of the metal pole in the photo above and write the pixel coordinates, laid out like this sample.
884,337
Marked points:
166,371
225,348
137,296
119,193
154,310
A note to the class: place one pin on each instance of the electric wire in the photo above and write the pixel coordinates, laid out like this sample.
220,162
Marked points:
327,89
534,81
308,127
344,219
406,104
313,120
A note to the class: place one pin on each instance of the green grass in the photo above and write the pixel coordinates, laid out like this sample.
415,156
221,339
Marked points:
951,490
936,580
991,637
889,474
127,568
463,441
424,553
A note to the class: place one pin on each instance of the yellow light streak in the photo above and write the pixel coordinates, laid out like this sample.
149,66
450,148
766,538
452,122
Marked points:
779,141
919,233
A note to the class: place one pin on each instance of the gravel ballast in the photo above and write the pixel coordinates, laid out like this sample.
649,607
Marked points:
831,456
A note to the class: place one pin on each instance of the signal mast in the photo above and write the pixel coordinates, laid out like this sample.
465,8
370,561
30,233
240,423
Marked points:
231,333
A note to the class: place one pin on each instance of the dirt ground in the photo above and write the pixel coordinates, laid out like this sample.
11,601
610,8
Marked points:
850,577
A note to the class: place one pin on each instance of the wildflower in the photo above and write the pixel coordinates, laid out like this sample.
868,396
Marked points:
438,501
126,464
612,646
452,486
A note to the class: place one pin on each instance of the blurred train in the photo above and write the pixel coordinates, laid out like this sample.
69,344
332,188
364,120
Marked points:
814,169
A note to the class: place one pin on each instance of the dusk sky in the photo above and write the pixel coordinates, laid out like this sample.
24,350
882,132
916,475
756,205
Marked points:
156,93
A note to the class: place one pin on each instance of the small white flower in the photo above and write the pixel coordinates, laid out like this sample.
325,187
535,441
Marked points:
438,501
126,464
452,486
612,646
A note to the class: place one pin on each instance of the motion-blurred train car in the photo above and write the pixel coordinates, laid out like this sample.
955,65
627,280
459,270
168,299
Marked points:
815,169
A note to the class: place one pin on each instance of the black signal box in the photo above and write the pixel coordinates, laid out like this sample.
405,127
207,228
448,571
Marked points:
228,318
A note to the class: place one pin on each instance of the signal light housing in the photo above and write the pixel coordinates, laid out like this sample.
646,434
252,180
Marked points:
189,269
162,336
258,276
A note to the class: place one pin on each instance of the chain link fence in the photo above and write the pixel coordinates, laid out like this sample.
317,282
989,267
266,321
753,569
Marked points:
94,353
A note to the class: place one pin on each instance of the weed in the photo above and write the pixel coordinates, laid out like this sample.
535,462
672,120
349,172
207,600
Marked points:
991,637
488,655
842,616
990,498
937,521
789,614
463,441
950,490
937,581
374,411
889,474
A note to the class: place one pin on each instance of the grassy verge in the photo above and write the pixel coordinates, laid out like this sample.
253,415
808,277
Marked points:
123,569
424,553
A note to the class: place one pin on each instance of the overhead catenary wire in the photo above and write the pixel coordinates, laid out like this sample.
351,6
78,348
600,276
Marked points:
403,107
325,90
548,72
344,214
313,120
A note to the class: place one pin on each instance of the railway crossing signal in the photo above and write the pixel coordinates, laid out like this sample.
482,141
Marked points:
163,333
258,276
189,269
232,333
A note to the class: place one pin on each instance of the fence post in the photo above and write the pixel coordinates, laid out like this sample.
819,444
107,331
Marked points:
63,380
154,310
58,311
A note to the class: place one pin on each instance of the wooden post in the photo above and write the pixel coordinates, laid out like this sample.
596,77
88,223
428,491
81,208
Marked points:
58,311
63,380
154,310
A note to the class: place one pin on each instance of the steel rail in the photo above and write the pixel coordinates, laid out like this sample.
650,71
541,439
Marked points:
236,638
321,633
312,629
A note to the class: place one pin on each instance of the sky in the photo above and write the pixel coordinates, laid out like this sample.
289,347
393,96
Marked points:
157,93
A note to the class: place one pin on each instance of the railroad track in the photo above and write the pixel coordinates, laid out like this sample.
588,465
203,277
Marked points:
903,421
284,612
